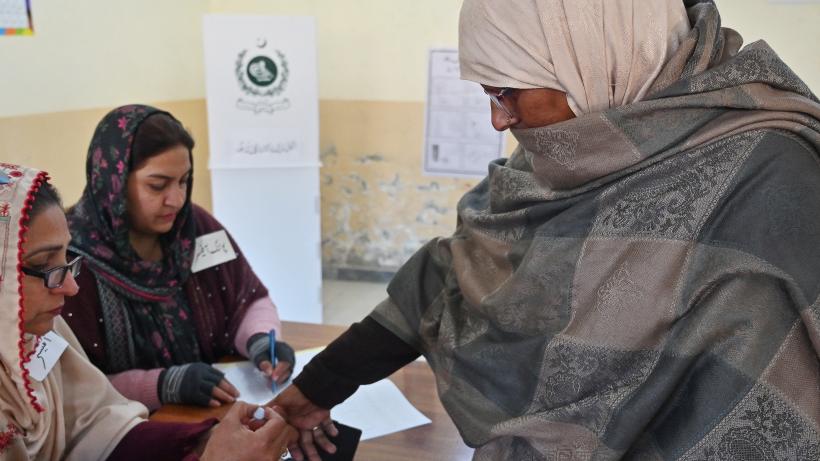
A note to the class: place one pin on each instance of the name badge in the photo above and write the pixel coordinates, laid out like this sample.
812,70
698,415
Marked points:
48,352
212,249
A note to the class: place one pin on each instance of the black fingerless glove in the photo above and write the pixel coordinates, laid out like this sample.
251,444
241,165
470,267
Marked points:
259,350
192,383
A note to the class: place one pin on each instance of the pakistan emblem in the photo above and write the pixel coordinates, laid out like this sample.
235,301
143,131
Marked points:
262,75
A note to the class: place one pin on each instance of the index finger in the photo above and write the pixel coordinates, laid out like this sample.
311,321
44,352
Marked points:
240,411
266,367
282,372
274,424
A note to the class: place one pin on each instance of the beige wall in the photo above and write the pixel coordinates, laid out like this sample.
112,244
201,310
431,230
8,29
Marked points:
377,207
57,142
90,55
792,29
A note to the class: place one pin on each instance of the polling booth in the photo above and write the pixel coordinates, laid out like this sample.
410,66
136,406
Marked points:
263,126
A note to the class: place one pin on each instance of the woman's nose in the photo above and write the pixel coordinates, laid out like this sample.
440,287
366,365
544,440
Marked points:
69,287
176,198
500,119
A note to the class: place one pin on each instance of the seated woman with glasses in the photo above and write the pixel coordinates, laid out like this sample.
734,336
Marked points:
146,315
54,277
56,405
639,280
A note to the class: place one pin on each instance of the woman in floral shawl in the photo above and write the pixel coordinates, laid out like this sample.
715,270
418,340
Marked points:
144,316
54,404
639,279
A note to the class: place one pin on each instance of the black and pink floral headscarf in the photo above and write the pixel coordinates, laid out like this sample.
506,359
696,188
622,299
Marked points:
141,298
100,220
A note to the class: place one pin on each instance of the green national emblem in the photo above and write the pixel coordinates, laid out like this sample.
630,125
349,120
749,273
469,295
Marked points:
262,71
263,75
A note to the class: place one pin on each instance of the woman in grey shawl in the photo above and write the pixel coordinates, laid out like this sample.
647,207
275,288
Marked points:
639,279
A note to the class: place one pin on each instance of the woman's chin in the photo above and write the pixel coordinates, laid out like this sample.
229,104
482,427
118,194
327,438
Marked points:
41,327
160,229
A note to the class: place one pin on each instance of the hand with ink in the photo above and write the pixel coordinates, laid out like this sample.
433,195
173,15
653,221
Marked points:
240,436
312,421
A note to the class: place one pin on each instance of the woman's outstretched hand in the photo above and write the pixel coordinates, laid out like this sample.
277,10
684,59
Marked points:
313,423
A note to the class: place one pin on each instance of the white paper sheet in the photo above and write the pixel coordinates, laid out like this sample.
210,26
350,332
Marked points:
13,14
377,409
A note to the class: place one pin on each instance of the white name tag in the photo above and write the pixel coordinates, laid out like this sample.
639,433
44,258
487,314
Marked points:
48,352
212,249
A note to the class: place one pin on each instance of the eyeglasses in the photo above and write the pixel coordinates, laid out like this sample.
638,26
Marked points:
54,277
496,98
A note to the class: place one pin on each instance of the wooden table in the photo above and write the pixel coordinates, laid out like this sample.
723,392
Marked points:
439,440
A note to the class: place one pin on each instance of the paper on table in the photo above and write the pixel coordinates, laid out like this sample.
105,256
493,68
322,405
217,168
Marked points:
377,409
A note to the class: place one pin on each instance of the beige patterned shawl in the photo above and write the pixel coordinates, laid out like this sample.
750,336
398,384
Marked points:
638,283
74,414
602,53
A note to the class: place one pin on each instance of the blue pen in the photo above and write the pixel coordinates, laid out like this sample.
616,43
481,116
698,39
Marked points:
272,337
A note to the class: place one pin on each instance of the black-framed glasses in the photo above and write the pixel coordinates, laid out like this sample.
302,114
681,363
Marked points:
497,99
54,277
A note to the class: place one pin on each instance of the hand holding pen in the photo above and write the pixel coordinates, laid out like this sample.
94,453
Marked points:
273,358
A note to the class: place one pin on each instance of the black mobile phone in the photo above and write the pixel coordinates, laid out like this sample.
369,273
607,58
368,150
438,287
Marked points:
346,443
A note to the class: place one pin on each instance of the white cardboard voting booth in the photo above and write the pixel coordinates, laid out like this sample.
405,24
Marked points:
263,125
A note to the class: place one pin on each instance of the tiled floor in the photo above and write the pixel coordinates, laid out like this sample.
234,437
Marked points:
345,302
